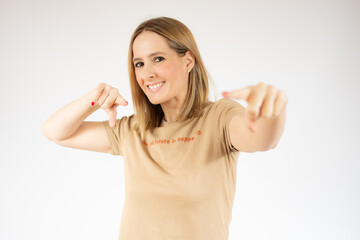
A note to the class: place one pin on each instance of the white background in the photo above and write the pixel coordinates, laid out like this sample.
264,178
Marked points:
53,52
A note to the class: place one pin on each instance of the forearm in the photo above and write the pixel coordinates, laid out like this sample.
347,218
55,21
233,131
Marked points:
66,121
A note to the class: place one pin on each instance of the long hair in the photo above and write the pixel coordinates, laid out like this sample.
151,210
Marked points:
181,40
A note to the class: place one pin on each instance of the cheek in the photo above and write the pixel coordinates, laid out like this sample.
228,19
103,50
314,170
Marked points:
138,78
170,70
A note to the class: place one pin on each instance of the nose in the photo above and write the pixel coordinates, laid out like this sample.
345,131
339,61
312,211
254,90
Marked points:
149,72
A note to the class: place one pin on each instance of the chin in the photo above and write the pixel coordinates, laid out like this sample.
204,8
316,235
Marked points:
155,101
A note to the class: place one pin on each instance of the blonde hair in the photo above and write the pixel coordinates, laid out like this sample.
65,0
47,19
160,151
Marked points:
181,40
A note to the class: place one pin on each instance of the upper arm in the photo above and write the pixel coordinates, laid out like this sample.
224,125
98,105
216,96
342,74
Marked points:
90,136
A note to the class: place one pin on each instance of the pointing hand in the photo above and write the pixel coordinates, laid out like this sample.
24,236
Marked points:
264,101
108,98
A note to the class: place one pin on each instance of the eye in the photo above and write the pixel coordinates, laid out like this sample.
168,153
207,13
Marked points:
138,64
159,59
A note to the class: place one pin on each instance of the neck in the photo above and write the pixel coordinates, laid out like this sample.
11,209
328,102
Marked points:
171,110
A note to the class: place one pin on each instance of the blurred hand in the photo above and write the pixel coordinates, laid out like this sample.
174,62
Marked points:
263,101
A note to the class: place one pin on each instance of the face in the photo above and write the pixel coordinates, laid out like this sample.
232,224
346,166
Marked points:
160,72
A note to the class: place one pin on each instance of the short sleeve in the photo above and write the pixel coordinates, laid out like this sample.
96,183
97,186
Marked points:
225,110
117,134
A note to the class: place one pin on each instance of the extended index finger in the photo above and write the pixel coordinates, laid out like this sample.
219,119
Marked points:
242,93
112,116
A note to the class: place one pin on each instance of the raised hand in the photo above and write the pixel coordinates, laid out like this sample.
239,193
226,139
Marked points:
264,101
108,98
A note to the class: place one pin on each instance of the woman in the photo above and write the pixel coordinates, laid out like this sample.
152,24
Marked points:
180,149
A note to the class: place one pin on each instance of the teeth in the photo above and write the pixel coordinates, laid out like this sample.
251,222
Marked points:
156,85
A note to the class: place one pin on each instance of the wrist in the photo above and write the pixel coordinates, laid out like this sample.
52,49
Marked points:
89,100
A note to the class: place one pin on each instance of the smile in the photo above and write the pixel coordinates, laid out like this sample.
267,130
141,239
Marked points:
156,86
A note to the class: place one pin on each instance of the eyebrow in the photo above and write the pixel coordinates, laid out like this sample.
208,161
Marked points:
150,55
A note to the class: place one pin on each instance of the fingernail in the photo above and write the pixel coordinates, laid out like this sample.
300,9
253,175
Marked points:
92,103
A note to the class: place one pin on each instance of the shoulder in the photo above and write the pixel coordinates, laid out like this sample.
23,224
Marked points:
228,102
221,112
125,123
224,106
216,120
130,121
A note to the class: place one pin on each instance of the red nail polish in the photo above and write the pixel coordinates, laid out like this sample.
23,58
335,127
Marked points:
92,103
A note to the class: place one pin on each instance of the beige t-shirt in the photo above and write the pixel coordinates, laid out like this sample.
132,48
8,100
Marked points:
180,182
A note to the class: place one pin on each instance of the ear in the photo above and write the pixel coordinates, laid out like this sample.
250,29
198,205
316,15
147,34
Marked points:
189,60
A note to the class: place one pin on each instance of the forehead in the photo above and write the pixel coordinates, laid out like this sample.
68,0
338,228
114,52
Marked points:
148,42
